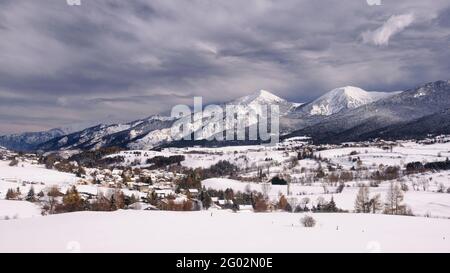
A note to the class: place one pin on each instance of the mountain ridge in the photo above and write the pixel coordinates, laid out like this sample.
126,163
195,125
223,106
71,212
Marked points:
352,114
356,124
342,98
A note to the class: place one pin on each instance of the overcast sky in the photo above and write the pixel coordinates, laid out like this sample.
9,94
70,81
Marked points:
116,60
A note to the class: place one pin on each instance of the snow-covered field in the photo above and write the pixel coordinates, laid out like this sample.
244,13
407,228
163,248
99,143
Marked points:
10,209
26,175
274,190
23,229
422,203
243,156
34,173
223,231
407,152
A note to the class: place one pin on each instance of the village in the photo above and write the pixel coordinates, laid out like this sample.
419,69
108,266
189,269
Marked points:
346,191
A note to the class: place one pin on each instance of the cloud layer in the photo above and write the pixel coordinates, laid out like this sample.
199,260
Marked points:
393,25
114,60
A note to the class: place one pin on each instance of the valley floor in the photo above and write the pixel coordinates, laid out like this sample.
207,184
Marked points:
24,229
222,231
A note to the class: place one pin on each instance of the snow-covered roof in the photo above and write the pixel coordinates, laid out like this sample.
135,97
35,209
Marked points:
141,206
140,184
245,207
224,202
164,191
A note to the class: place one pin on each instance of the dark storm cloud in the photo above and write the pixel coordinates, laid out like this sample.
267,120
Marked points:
444,18
113,60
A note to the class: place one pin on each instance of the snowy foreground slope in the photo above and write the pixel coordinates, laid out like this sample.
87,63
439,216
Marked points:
18,209
222,231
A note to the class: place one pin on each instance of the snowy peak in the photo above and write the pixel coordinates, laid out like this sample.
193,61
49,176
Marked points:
348,97
263,95
350,91
259,97
413,113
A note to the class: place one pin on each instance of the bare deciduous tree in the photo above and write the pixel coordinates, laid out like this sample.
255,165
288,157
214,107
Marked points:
362,204
394,199
265,187
308,221
376,204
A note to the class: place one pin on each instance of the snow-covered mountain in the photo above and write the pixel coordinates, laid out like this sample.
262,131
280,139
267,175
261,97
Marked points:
254,101
141,134
331,103
264,97
28,141
31,140
260,97
204,126
343,98
103,135
434,124
155,130
392,112
343,114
